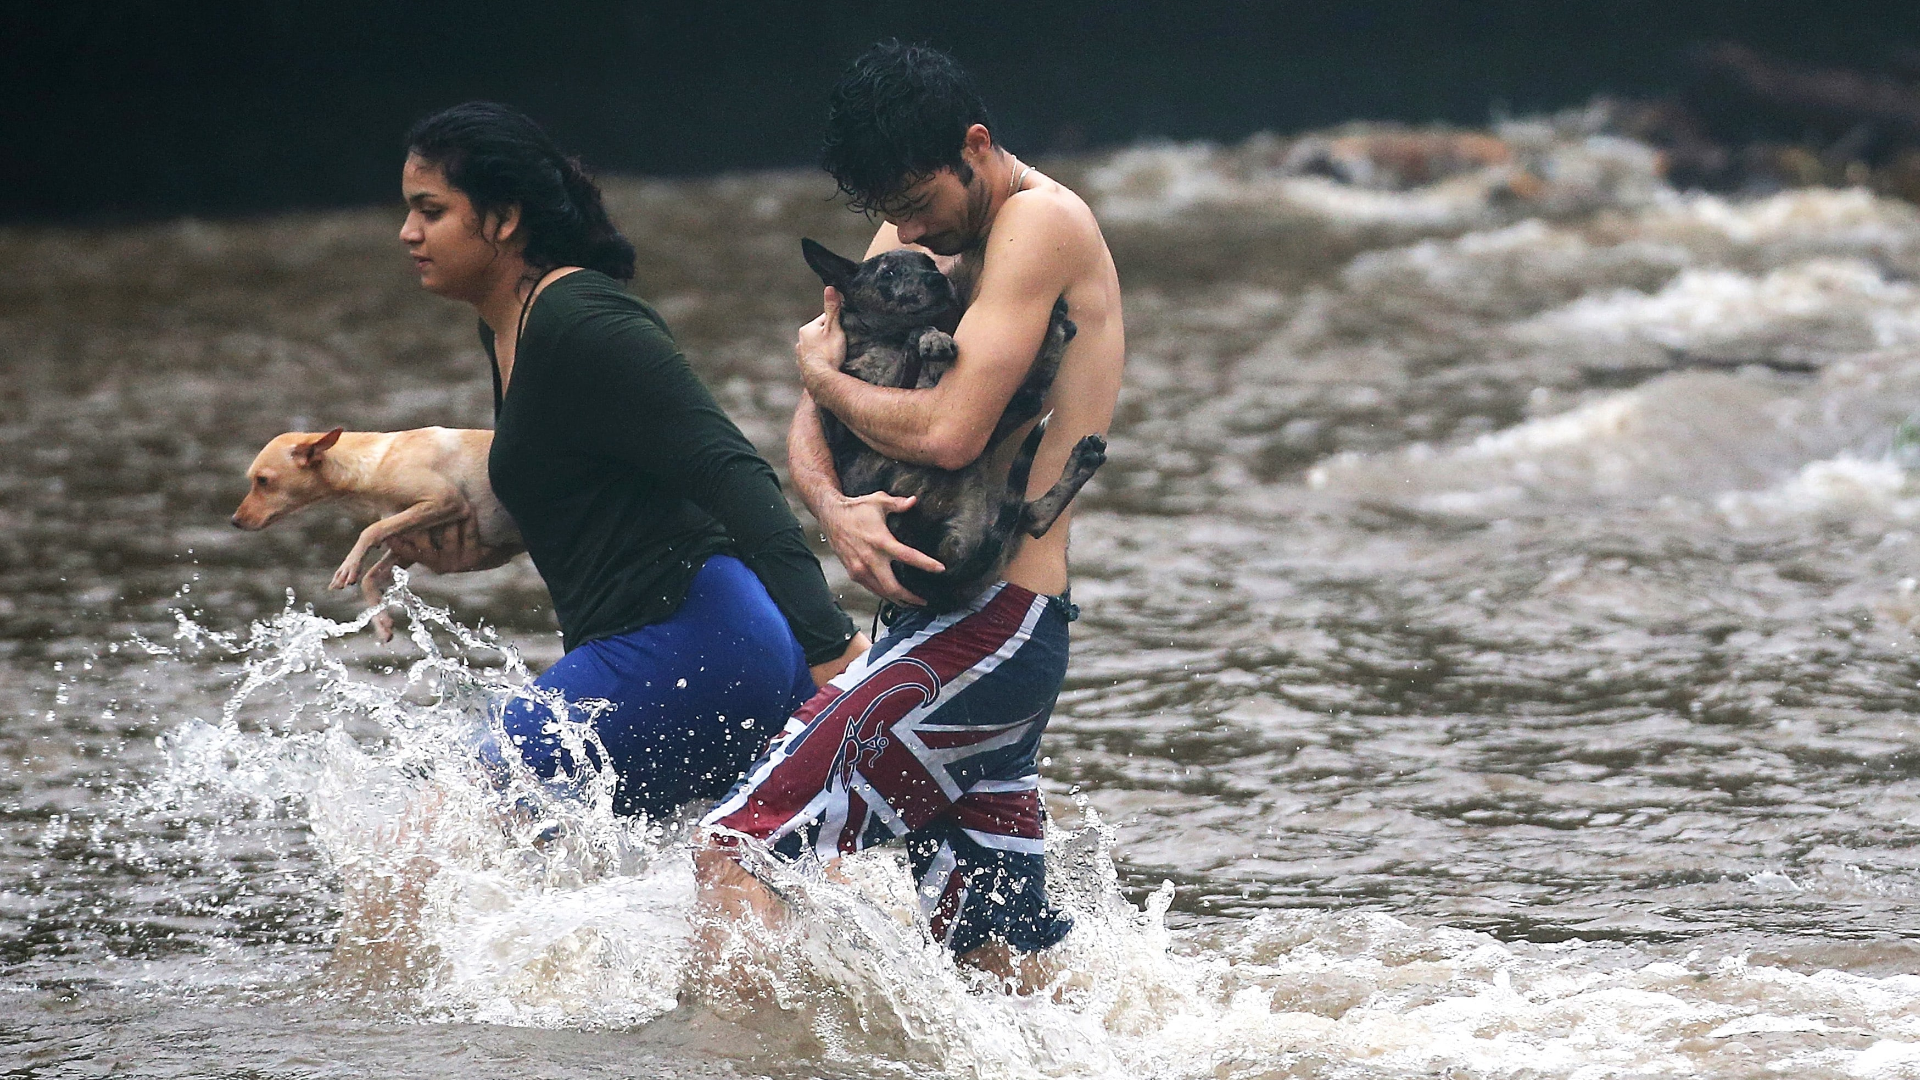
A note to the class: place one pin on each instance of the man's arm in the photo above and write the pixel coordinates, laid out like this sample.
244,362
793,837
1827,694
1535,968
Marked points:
947,425
856,528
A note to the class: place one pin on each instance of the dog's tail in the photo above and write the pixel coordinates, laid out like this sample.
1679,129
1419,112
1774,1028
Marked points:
1013,509
1022,466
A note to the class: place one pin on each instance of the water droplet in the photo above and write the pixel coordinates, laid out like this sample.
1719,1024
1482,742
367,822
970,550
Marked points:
1906,443
681,685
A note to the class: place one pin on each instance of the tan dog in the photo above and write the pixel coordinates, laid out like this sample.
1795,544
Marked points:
408,480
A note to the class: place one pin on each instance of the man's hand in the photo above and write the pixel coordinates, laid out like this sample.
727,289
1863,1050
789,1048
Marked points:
445,549
857,647
857,531
822,344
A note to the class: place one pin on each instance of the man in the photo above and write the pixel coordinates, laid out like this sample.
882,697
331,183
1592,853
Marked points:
933,734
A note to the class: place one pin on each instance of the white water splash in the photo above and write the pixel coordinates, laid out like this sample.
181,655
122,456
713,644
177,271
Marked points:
482,902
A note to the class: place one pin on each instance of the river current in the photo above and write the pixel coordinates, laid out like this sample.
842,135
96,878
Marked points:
1498,657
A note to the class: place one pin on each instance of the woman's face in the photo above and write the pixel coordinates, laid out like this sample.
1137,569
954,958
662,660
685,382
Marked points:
457,255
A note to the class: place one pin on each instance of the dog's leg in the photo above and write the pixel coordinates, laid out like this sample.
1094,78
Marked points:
373,586
421,515
1088,454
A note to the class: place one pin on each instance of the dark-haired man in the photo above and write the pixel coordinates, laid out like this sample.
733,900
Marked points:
933,734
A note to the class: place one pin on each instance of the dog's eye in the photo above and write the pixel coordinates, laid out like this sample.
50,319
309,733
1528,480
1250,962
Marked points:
259,481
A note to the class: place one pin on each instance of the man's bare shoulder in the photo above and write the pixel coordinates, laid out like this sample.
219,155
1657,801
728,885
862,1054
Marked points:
1050,210
1050,234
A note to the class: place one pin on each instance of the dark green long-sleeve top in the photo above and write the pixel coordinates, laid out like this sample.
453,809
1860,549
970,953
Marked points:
624,475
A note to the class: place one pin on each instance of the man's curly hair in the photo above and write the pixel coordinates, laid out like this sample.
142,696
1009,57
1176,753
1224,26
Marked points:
900,113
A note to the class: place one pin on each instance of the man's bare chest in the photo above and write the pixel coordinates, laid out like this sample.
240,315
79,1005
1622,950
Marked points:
963,271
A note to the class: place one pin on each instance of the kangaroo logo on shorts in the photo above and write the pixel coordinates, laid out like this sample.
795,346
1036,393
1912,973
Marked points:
865,737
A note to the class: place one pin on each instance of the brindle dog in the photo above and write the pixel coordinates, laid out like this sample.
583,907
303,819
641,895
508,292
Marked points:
899,312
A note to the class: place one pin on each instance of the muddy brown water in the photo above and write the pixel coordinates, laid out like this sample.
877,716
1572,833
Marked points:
1497,630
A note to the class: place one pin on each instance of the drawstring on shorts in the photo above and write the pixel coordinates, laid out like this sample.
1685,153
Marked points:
889,612
1064,604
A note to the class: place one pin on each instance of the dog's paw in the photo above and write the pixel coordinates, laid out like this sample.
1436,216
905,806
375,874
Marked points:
348,573
382,627
1089,453
937,346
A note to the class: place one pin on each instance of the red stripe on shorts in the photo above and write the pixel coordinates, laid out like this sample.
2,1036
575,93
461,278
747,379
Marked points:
851,730
1003,813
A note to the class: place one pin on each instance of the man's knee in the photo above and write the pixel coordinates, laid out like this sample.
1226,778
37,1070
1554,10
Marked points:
714,858
727,887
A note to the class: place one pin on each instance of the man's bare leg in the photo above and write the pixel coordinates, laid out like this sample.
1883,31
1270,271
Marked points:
381,943
731,891
727,889
1019,973
729,895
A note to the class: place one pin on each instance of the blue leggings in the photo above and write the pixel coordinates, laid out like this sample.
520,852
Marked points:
695,699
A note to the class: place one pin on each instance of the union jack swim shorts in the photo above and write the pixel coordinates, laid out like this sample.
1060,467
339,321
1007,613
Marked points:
931,737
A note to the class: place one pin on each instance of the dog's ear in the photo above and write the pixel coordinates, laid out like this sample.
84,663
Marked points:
833,269
308,454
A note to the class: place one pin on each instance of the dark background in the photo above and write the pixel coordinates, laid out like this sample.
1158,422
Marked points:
130,109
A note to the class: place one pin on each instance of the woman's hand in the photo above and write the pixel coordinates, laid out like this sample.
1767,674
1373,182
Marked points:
446,549
856,648
822,345
857,531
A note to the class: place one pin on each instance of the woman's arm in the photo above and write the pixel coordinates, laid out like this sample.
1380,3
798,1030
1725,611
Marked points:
453,548
824,671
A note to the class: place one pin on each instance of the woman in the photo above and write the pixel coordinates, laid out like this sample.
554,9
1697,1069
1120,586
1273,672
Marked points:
686,594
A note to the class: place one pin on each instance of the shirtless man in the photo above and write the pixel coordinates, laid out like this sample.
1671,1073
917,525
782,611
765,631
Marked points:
933,734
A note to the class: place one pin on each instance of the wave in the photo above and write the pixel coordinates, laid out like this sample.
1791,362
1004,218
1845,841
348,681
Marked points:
1712,438
1805,311
1385,175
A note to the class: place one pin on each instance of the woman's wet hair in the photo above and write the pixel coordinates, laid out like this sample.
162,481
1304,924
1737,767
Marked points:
500,158
901,112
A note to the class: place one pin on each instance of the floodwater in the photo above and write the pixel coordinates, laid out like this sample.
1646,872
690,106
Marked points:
1498,658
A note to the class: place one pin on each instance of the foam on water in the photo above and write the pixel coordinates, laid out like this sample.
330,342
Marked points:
1801,305
1804,311
1691,434
1754,445
1556,166
1841,488
1821,218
